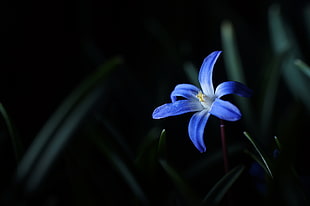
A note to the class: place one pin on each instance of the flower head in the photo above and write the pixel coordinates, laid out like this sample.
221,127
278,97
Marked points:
203,102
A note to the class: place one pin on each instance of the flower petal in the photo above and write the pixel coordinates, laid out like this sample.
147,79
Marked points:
232,87
176,108
196,128
225,110
205,73
187,91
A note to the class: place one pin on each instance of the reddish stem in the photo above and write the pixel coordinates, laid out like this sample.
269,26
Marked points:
224,146
225,158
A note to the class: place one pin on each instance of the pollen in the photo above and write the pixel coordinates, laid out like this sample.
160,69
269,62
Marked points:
201,96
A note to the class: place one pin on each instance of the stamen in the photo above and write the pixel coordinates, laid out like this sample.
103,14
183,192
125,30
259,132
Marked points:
201,96
205,101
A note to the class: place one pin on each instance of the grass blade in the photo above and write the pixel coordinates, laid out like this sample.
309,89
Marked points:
59,128
218,191
231,55
303,67
162,36
262,156
272,77
276,139
283,42
162,145
16,142
233,66
121,168
257,159
179,182
191,73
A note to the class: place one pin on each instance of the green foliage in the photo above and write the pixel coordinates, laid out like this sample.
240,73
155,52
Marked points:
284,43
233,66
56,133
263,160
101,147
303,67
222,187
16,142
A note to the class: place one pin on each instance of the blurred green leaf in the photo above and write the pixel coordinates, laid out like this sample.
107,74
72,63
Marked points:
162,148
214,157
303,67
277,142
53,137
280,36
15,139
147,155
191,73
283,41
233,66
163,38
121,167
181,185
288,187
218,191
265,161
257,159
231,54
270,87
120,139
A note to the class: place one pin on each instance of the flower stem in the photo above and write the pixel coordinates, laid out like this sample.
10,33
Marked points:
225,158
224,146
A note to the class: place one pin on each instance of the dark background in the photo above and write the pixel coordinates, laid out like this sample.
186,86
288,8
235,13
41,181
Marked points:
49,47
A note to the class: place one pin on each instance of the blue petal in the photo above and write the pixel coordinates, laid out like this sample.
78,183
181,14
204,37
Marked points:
225,110
196,128
205,73
187,91
176,108
232,87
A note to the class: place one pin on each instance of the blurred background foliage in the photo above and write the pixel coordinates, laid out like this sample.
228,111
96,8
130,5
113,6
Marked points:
79,82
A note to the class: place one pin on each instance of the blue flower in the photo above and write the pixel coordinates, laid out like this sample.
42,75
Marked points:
204,101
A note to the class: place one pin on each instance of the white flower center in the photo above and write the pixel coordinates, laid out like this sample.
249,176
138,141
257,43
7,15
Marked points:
205,101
